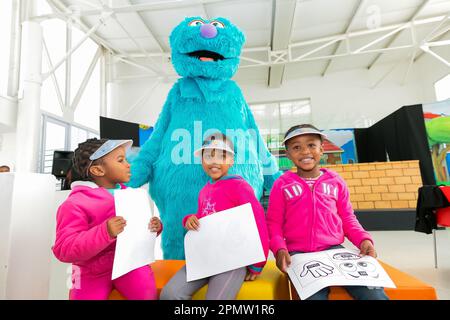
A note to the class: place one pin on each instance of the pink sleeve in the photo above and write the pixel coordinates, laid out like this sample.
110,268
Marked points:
162,227
247,195
275,219
198,210
352,228
75,242
187,217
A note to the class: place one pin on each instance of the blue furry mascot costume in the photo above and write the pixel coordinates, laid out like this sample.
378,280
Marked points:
206,55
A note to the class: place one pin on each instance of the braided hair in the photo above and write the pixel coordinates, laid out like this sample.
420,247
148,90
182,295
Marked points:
81,159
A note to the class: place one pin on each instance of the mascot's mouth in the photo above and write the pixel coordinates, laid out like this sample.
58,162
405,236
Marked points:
205,55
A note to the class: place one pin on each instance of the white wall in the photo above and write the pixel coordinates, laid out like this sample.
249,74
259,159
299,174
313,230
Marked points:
431,70
343,99
339,100
138,101
8,114
8,149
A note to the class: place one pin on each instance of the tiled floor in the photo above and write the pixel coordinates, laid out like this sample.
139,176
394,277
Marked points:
412,252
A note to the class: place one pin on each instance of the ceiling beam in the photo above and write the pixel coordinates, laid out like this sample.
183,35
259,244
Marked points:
427,49
64,13
156,6
133,39
434,34
355,13
147,28
439,37
282,23
391,41
286,56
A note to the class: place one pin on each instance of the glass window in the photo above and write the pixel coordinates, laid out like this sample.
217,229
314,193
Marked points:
275,118
76,136
442,88
87,112
55,139
54,34
60,135
81,59
42,7
5,38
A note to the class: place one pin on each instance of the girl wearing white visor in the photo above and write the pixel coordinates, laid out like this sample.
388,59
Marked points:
87,225
222,192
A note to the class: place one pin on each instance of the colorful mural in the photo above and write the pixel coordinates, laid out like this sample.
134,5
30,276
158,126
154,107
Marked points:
339,148
437,124
144,133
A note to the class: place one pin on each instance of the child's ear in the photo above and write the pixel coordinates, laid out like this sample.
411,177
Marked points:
288,155
97,171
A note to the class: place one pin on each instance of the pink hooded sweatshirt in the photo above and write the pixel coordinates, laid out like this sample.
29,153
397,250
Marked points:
229,192
301,219
82,236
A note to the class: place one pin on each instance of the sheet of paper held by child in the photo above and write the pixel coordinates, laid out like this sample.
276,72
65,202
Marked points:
311,272
225,241
135,246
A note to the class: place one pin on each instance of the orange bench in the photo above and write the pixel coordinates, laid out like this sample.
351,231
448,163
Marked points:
273,285
408,288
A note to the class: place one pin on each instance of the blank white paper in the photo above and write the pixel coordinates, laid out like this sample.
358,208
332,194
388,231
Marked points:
136,244
225,241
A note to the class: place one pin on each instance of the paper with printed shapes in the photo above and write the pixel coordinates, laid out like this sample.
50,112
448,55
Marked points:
225,241
135,246
313,271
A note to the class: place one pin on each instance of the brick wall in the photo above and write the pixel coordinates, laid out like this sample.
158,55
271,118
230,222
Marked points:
381,185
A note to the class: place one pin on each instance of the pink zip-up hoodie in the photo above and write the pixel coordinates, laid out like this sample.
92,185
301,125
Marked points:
301,219
229,192
82,236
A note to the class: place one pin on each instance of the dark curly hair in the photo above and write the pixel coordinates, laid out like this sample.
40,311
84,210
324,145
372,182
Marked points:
81,156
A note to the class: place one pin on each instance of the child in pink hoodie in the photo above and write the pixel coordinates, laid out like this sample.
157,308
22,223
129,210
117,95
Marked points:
310,210
87,225
222,193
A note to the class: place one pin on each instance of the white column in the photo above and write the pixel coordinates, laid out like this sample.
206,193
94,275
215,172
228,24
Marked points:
29,113
14,54
103,82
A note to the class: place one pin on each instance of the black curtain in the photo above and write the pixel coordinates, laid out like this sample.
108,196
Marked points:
402,136
118,129
369,145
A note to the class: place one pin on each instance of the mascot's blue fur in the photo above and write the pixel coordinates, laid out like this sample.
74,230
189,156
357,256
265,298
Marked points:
203,101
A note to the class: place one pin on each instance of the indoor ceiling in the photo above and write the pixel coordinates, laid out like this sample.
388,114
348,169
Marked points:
285,39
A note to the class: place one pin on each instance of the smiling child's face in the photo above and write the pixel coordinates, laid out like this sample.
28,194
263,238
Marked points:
305,152
216,162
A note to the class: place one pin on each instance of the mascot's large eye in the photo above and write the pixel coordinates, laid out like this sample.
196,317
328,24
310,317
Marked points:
195,23
218,24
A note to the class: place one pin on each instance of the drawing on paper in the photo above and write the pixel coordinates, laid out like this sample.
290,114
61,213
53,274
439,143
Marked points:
316,269
313,271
